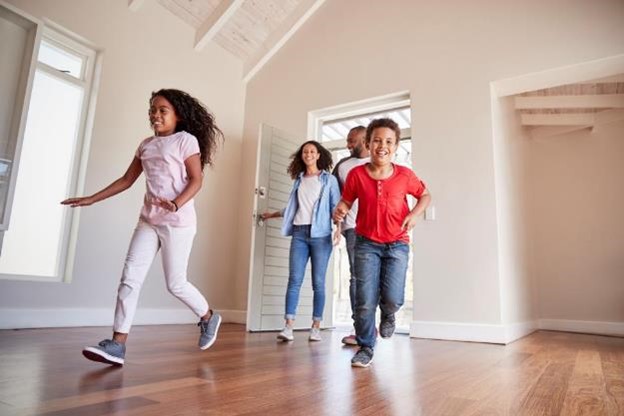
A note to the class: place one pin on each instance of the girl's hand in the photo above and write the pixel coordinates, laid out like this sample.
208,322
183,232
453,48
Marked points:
82,201
409,222
166,204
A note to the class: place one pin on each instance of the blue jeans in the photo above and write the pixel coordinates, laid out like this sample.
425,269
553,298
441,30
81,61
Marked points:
349,236
380,271
302,248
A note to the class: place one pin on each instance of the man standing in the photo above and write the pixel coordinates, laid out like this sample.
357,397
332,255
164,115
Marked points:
356,144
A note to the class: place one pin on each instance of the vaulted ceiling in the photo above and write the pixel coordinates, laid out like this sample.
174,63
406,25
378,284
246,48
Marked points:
252,30
566,108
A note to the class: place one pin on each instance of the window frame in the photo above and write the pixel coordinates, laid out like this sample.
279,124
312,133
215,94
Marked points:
89,81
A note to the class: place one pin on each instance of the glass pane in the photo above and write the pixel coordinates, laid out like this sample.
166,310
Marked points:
335,130
37,219
60,59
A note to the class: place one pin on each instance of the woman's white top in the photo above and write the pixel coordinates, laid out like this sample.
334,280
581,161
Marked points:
307,195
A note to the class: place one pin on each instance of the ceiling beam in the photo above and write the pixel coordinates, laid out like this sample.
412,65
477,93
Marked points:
565,119
134,5
605,80
217,19
573,119
543,132
609,116
280,36
570,101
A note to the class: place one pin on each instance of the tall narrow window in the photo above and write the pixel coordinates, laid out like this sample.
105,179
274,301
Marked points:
37,243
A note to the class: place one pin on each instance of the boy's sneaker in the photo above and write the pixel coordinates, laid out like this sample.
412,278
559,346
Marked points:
107,351
386,326
349,340
286,334
363,357
209,330
315,334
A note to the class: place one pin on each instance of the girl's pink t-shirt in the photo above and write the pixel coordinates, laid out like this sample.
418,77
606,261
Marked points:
162,158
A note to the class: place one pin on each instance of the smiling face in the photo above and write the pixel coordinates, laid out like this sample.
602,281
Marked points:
162,116
310,155
356,142
383,145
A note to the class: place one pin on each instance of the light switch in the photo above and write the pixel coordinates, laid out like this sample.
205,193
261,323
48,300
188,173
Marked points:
430,213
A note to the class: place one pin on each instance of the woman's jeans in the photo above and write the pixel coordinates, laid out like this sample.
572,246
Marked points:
380,271
302,247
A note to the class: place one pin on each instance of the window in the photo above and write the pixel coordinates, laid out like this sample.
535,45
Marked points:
53,154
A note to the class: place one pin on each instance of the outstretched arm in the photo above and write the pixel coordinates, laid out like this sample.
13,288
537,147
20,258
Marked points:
120,185
277,214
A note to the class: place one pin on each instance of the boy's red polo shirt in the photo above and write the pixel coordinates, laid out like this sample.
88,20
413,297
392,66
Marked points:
382,203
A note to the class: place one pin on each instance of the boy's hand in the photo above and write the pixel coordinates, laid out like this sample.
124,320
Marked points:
409,222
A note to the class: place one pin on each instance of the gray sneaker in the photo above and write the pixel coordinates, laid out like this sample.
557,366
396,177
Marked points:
209,330
107,351
387,326
363,357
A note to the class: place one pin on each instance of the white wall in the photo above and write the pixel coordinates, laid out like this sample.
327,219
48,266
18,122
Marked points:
578,229
446,54
513,201
143,51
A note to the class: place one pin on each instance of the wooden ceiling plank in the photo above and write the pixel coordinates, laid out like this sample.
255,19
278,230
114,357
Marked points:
280,36
570,101
219,17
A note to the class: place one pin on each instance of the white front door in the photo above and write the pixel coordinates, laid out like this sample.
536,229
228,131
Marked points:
268,274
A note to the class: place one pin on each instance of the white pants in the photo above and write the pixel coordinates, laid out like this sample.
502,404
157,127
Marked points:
175,244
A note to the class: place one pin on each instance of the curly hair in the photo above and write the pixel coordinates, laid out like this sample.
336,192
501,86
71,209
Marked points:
194,118
383,122
297,166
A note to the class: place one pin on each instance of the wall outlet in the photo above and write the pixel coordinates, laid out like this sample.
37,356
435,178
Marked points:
430,213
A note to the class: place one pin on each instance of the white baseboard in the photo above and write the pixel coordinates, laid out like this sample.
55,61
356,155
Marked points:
587,327
70,317
459,331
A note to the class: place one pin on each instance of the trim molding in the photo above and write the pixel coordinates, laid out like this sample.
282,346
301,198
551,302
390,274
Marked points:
587,327
70,317
459,331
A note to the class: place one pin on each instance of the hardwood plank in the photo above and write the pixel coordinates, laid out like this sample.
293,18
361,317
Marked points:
586,391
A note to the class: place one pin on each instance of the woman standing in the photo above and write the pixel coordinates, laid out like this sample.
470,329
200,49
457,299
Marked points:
307,218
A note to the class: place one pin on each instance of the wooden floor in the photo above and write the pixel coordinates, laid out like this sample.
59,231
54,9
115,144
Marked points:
547,373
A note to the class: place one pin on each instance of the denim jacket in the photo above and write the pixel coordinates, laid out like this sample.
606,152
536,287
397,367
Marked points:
321,212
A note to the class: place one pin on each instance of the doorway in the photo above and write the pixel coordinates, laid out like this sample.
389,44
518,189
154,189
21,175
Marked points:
332,129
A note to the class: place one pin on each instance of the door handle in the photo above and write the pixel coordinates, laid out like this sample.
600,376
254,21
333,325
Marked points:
258,220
